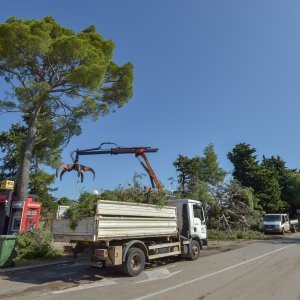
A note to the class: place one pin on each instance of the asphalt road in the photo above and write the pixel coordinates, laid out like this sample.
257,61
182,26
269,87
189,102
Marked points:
260,270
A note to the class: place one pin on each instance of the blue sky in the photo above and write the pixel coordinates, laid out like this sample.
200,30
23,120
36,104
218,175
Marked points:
220,72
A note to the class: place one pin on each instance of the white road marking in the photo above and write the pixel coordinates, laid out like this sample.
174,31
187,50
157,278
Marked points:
210,275
103,282
156,274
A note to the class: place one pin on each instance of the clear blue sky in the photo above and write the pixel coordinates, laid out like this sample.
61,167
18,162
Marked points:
220,72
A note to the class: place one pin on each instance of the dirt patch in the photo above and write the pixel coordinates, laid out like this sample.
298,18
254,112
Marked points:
216,247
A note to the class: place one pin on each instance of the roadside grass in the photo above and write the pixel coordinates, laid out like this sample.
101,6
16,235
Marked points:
230,235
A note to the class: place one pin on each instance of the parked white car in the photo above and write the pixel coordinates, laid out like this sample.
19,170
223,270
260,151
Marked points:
279,223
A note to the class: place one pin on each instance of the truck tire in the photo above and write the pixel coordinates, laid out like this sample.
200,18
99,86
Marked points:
134,263
195,250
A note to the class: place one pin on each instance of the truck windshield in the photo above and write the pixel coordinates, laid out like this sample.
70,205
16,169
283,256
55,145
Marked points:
272,218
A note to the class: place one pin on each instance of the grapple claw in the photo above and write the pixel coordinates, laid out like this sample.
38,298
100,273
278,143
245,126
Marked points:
86,169
74,167
62,173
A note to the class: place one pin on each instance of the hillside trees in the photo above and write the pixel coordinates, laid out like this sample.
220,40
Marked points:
288,179
57,78
229,204
269,179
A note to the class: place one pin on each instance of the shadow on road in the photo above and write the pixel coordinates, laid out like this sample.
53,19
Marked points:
288,238
52,278
46,279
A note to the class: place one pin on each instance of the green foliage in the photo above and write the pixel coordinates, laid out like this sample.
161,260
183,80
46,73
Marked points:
9,144
267,190
65,201
223,235
228,205
291,190
35,244
39,186
87,203
45,153
86,207
58,79
264,178
184,170
234,207
201,191
210,170
48,60
245,163
136,194
288,179
198,169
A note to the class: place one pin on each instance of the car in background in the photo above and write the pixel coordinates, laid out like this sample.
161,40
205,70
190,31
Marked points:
279,223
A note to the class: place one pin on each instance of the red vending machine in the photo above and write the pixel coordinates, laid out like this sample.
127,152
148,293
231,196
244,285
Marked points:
17,216
24,216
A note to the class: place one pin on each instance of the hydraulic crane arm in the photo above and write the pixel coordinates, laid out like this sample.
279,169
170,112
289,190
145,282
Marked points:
137,151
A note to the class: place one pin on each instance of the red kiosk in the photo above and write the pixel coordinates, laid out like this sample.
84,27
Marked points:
17,216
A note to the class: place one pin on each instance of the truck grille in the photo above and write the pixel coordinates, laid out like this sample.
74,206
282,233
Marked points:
269,226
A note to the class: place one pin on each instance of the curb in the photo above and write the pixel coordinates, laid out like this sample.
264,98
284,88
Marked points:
13,269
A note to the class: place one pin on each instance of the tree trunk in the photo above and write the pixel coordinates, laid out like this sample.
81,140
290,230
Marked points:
24,168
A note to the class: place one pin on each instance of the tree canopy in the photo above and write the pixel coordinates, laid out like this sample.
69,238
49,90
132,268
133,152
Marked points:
199,169
268,178
57,78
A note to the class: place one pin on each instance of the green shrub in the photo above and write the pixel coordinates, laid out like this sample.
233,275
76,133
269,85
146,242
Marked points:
35,244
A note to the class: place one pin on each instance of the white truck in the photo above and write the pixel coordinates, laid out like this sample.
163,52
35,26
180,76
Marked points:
130,234
279,223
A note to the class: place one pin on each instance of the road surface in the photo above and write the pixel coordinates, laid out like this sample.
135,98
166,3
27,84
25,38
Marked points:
260,270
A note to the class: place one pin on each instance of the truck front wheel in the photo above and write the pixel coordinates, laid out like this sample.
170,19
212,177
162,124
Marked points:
195,250
134,263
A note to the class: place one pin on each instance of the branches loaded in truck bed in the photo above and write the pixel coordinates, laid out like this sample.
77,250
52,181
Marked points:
87,204
119,220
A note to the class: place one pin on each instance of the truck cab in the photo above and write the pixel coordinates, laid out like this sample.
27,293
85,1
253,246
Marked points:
191,219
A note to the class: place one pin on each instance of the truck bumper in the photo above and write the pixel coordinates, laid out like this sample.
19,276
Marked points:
272,230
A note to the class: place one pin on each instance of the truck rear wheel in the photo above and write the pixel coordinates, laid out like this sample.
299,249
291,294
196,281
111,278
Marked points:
134,263
195,250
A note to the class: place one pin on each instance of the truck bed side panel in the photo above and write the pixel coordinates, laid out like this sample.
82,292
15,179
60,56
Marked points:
120,220
110,228
114,208
84,231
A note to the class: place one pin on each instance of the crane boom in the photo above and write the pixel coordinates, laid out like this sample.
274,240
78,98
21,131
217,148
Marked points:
137,151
